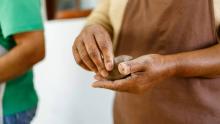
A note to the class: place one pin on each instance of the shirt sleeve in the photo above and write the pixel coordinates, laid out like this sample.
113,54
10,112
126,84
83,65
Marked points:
100,15
18,16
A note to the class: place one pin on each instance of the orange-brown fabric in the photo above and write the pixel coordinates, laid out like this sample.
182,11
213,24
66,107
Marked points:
168,27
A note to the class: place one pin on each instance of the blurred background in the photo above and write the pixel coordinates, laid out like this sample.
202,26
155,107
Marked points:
63,9
66,96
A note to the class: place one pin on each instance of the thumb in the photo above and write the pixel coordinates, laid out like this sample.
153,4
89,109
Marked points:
130,67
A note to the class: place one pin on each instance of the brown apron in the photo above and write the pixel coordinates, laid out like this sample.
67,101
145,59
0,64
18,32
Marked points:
169,27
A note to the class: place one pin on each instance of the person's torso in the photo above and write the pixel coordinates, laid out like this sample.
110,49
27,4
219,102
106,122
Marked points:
116,10
166,27
169,27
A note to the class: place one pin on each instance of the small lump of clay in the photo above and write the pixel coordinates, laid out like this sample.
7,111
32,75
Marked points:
115,74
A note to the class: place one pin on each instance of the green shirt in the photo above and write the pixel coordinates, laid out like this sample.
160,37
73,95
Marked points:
18,16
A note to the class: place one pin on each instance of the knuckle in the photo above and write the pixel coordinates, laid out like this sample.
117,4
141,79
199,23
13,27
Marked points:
74,50
78,38
73,47
84,37
75,44
84,56
79,61
131,68
92,67
96,28
93,54
104,46
100,66
86,30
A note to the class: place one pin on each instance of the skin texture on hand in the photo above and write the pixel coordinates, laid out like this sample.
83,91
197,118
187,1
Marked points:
148,70
93,50
201,63
29,50
145,72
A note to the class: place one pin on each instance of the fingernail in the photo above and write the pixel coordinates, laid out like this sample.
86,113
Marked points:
104,74
109,66
123,69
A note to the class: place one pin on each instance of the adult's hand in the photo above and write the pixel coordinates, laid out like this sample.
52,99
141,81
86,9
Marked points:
93,50
145,72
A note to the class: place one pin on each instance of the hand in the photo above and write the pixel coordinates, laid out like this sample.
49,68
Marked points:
146,71
91,47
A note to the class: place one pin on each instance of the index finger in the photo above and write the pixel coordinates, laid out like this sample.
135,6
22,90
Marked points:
105,48
95,54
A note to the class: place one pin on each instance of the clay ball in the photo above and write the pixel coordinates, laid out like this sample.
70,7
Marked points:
115,74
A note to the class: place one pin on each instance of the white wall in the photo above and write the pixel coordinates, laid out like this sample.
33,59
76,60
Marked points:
66,96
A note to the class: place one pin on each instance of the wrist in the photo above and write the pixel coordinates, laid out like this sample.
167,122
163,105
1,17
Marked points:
170,63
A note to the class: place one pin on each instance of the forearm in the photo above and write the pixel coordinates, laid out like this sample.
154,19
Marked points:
29,51
200,63
15,63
